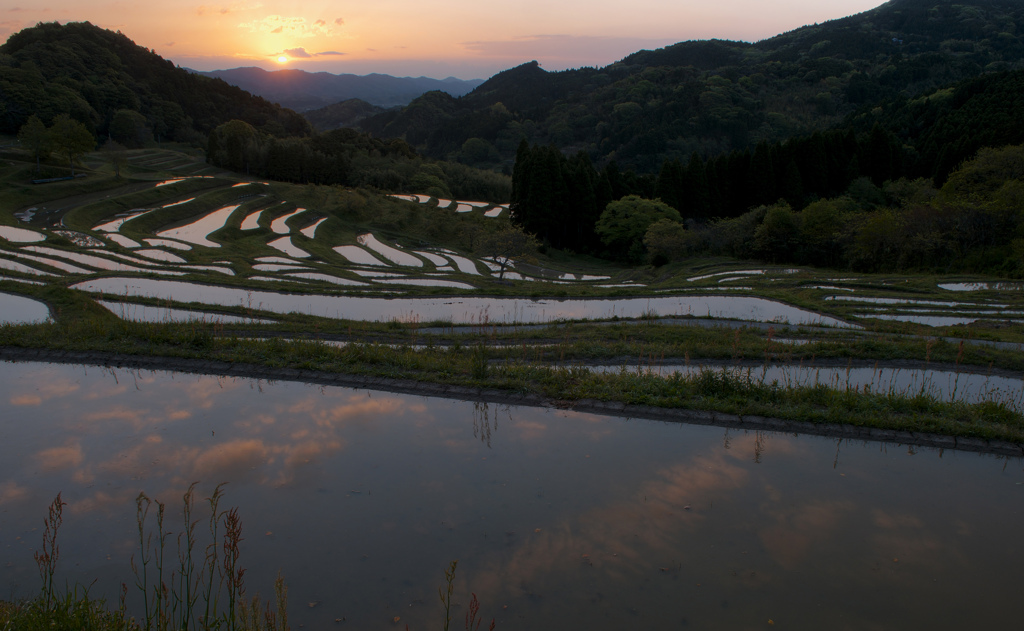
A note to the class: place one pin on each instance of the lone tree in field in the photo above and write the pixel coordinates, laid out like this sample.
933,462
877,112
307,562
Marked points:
624,223
34,136
71,139
116,154
507,244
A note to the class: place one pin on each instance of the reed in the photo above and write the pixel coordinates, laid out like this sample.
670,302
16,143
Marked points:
170,598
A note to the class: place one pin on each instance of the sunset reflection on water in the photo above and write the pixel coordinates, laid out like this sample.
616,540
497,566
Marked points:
559,519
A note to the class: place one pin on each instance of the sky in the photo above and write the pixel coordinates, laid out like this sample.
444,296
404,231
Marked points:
467,39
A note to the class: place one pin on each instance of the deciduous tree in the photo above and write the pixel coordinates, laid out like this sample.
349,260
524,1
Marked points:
71,139
624,223
507,244
34,136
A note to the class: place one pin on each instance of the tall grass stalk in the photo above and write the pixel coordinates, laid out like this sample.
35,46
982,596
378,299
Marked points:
446,594
47,558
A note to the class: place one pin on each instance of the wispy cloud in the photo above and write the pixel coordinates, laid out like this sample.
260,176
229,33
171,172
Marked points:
292,26
302,53
222,10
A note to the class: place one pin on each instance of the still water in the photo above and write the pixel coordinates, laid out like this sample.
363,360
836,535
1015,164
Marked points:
559,519
462,310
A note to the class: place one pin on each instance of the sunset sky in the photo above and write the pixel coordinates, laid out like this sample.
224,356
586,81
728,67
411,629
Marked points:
463,38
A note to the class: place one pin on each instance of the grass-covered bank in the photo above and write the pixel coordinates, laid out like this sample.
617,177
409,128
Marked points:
547,371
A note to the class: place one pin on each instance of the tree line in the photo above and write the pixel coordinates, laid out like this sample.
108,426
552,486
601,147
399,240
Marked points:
562,198
348,158
973,223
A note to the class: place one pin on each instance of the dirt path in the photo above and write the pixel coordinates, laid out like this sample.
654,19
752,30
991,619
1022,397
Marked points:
695,417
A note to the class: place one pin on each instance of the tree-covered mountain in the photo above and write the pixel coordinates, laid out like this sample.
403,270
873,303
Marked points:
59,81
301,90
715,96
896,147
94,74
344,114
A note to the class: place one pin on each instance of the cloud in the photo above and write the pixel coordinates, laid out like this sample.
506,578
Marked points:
302,53
57,458
292,26
235,8
340,21
169,44
11,492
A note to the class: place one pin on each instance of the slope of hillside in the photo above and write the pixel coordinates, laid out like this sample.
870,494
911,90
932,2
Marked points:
347,113
714,96
92,73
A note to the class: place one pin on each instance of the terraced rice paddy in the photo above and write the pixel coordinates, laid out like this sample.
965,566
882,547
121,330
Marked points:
173,227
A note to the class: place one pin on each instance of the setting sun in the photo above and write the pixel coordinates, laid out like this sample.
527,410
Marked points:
282,59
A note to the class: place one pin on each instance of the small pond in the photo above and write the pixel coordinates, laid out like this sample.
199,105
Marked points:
467,310
559,519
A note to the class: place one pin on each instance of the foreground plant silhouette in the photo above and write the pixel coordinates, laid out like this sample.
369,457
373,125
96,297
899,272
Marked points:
218,581
445,592
210,597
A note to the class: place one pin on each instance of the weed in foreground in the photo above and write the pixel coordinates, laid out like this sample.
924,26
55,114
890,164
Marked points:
169,601
174,603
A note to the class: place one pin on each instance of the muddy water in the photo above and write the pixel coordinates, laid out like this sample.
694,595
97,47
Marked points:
559,520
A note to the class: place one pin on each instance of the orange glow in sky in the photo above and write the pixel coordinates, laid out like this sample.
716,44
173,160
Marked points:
463,38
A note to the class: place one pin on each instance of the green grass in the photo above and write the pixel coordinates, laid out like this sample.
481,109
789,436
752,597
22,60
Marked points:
528,368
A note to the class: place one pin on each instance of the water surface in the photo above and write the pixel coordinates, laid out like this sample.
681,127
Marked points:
15,309
560,520
466,309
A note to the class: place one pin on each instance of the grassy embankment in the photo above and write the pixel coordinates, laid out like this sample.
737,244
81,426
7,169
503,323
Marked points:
549,362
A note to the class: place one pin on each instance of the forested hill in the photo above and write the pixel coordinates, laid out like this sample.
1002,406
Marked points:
92,74
715,96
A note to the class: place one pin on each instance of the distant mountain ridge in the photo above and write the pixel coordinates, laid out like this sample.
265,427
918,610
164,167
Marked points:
715,96
301,91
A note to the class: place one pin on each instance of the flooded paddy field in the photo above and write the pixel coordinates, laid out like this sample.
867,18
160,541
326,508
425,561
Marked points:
204,226
559,519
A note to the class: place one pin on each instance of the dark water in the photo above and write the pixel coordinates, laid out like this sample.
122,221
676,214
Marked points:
559,520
